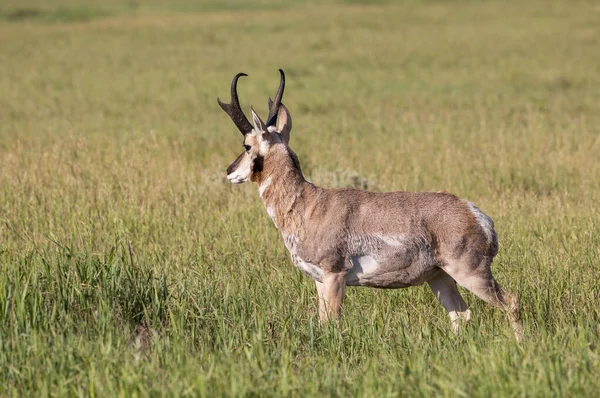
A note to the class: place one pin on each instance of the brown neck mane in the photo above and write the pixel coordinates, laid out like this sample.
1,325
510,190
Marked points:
283,187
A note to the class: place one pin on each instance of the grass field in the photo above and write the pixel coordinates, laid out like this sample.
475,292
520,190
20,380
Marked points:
129,266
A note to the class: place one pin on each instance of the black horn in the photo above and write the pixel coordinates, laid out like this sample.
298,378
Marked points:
234,109
274,105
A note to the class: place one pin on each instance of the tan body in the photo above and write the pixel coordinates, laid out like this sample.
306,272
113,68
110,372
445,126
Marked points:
349,237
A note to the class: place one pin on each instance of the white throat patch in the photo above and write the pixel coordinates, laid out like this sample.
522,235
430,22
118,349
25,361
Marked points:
272,215
265,184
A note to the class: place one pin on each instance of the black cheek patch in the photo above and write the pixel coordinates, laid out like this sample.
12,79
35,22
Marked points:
257,165
235,164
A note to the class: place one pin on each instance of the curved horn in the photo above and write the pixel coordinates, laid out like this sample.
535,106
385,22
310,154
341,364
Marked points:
234,110
274,106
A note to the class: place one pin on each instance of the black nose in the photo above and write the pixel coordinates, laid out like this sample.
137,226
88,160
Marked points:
234,165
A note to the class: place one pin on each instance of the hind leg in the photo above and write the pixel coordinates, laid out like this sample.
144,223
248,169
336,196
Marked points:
445,290
479,280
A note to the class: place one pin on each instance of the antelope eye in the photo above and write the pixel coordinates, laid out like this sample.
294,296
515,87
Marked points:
247,148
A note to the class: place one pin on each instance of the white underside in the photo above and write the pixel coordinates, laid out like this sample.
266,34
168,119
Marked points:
310,269
363,265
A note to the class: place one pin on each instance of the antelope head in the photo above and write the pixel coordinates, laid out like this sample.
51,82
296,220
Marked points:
259,137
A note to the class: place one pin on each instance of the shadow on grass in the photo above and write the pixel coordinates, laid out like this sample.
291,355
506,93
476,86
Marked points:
56,15
82,14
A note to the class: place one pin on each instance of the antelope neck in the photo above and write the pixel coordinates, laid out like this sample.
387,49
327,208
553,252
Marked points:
281,186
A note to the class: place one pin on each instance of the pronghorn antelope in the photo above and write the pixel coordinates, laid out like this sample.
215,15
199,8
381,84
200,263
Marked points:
349,237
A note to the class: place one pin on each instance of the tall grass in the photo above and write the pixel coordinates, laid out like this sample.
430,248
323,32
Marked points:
129,266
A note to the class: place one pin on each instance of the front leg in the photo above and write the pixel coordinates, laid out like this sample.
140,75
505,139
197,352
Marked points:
331,295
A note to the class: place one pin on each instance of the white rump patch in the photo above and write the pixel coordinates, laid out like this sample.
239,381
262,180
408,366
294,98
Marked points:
483,220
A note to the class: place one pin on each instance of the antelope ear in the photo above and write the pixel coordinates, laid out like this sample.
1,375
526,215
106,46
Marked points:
284,124
259,125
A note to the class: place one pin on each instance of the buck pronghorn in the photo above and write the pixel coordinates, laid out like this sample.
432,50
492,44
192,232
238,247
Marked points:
349,237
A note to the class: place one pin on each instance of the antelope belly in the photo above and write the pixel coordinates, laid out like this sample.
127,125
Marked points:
361,266
366,271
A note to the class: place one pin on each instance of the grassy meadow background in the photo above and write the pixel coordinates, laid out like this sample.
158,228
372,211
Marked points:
129,266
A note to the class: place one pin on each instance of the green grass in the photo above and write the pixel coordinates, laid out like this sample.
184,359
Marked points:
129,266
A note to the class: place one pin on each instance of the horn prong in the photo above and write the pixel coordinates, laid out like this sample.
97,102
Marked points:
276,103
234,110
